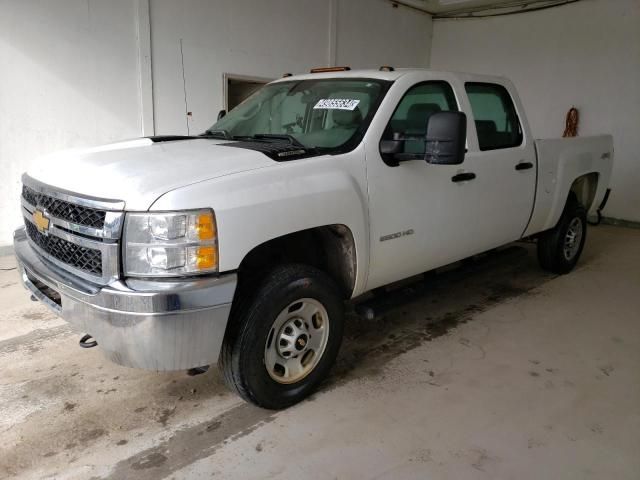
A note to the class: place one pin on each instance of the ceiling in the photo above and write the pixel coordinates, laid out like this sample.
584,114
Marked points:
447,7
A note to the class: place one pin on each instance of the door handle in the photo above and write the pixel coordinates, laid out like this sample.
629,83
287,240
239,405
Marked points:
524,166
463,177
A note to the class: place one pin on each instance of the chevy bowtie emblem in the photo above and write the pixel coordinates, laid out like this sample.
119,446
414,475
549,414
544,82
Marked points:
41,221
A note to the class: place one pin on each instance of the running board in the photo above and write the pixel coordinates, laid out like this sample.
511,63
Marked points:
384,301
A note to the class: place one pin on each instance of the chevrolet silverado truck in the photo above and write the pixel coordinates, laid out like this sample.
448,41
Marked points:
240,246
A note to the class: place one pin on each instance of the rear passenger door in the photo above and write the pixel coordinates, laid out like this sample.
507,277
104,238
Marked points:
505,163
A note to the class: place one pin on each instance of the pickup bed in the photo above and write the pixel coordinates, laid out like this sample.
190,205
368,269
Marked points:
240,246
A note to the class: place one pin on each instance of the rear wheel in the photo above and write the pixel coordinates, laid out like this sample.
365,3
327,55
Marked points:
284,336
559,249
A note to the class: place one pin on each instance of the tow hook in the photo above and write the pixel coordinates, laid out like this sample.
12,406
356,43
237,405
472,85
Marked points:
87,341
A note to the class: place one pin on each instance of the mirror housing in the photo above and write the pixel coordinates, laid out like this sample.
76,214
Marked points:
445,142
446,138
221,114
392,147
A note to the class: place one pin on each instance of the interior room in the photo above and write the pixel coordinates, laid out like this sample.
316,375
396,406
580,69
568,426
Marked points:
324,239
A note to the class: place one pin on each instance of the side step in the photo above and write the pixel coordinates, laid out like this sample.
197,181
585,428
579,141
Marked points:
384,301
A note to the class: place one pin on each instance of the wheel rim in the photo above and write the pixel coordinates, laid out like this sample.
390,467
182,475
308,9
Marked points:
572,239
296,341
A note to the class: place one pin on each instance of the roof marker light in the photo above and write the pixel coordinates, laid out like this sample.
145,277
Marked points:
329,69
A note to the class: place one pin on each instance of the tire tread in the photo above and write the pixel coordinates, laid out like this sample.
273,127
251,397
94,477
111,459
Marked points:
239,329
550,242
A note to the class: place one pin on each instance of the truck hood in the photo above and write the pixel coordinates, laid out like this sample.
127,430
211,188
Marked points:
139,171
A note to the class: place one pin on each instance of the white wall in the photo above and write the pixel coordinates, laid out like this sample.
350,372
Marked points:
267,39
585,54
67,78
372,33
70,72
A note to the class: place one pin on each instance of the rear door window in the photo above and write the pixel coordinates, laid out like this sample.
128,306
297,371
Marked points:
495,116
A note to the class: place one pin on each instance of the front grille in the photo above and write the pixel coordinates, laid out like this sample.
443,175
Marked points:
82,258
70,212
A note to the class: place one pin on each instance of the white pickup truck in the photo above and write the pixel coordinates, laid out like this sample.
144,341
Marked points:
240,246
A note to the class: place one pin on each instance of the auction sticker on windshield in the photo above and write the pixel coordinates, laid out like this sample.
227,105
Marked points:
336,104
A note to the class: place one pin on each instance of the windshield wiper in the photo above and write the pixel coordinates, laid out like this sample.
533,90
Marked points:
278,136
264,137
217,134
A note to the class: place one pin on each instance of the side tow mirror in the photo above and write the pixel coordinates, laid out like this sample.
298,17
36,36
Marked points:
393,146
446,138
391,149
221,114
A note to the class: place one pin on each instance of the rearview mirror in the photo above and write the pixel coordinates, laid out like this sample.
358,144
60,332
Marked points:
446,138
221,114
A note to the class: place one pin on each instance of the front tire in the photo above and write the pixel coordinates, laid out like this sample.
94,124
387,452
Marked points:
560,248
283,337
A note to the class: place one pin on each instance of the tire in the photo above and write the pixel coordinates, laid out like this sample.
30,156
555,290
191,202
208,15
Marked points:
559,249
277,350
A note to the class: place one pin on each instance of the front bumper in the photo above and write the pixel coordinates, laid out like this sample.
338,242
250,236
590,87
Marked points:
155,325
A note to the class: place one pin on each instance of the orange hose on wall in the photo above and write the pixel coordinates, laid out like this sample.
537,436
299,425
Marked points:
571,123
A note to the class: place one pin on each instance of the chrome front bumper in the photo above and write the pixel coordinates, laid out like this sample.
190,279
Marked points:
155,325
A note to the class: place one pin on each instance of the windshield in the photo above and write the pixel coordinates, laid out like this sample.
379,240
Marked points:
322,114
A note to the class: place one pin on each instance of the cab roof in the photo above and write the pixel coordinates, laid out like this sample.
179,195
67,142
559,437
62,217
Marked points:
378,74
369,73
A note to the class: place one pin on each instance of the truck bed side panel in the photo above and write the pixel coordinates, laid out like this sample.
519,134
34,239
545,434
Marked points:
560,162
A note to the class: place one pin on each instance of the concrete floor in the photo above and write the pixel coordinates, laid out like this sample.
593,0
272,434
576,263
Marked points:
497,371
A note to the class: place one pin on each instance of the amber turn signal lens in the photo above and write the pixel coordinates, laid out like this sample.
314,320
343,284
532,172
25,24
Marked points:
206,257
206,227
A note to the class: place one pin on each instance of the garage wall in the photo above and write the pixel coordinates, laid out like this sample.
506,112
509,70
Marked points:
76,72
585,54
371,33
267,39
68,78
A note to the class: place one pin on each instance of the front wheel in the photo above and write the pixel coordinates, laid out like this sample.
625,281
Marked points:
559,249
284,337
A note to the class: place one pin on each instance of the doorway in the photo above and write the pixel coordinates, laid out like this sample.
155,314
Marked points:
239,87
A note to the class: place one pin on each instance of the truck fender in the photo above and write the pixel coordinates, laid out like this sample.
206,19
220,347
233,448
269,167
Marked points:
257,206
580,165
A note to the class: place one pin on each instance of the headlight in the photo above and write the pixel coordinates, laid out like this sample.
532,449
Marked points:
170,244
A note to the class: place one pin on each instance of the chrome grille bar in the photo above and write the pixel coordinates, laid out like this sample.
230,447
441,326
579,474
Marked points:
78,244
86,201
82,258
77,214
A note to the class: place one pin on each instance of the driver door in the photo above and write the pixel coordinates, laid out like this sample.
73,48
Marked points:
422,216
